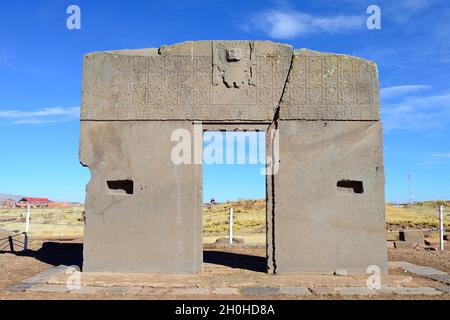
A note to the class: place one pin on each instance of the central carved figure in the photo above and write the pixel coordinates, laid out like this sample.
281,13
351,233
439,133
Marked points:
233,65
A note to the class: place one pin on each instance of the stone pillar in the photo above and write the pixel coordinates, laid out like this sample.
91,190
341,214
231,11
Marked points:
143,213
329,193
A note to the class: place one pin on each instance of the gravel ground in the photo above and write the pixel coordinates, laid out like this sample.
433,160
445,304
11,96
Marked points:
239,265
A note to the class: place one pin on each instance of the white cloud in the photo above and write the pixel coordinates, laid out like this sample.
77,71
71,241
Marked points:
432,159
288,24
402,11
38,121
395,91
417,113
282,22
441,156
40,116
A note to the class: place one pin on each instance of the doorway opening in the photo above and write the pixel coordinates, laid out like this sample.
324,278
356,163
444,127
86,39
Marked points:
234,199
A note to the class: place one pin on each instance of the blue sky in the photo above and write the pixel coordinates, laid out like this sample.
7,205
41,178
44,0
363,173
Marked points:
41,63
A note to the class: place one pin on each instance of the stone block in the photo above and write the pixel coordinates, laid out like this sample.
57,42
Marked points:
445,278
323,291
120,291
298,291
49,288
203,80
406,245
260,291
420,291
226,291
46,275
325,86
189,291
329,198
20,287
412,236
356,291
445,290
143,229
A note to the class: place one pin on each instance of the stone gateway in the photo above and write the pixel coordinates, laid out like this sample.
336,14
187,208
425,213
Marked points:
325,200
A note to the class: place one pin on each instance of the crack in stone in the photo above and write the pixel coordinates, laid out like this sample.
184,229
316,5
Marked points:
275,123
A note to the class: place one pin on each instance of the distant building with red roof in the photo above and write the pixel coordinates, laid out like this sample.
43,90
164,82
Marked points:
33,202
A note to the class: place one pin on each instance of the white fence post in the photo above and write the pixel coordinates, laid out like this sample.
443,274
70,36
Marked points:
441,227
27,225
231,225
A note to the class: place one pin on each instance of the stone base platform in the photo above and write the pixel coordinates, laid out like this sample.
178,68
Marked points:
218,281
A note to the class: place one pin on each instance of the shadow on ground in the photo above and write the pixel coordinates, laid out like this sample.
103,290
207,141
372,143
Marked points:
71,254
55,253
235,260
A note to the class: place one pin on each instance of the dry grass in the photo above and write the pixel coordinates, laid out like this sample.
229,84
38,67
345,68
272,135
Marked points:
248,216
249,219
419,215
50,222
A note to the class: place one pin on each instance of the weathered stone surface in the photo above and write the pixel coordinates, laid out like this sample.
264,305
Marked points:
406,245
144,213
157,228
384,290
49,288
355,291
330,87
323,291
113,290
320,226
423,271
421,291
148,291
445,278
416,237
445,290
226,80
260,290
20,287
226,291
63,289
189,291
205,80
419,270
46,275
298,291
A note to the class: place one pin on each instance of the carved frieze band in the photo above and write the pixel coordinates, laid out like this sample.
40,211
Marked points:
331,87
121,87
177,87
